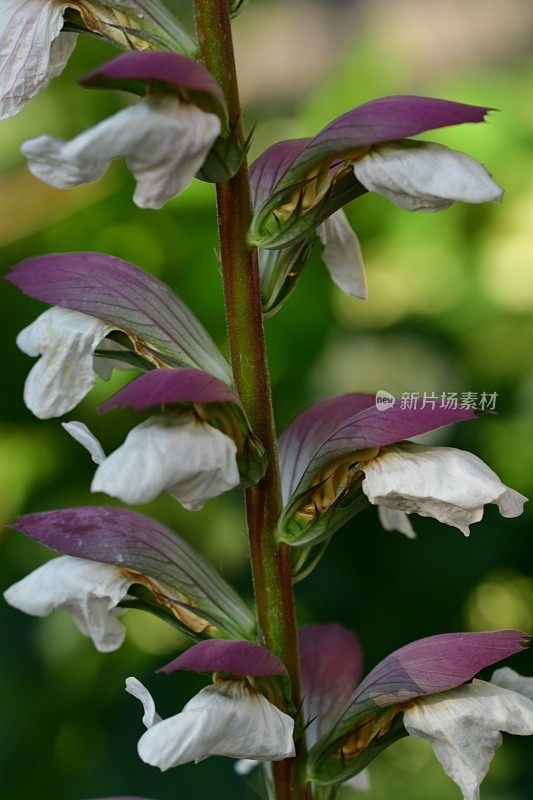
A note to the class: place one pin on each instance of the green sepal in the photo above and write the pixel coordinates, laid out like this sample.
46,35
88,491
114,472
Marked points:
298,530
224,159
327,765
269,229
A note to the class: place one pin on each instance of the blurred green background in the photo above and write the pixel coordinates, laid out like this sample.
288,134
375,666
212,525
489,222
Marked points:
449,309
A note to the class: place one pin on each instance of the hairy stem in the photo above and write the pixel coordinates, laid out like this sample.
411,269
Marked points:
271,563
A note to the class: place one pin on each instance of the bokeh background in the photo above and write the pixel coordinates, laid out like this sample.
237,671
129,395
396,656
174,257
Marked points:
449,309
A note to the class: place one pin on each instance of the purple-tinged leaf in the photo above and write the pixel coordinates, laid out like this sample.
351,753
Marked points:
117,292
222,407
310,430
134,542
151,71
332,665
428,666
329,155
172,386
239,658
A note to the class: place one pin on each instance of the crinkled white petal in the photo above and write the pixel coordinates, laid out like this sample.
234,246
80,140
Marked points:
81,433
342,255
423,176
138,690
179,454
464,726
224,719
87,590
507,678
32,50
66,341
448,484
393,520
164,141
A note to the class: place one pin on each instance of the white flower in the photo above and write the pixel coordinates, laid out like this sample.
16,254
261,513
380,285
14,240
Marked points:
450,485
87,590
423,176
228,718
342,255
464,726
32,50
191,460
164,141
66,341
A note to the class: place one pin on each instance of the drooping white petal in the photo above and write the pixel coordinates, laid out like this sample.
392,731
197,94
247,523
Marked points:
424,176
164,142
32,50
66,341
138,690
81,433
342,255
187,458
87,590
507,678
224,719
464,726
393,520
448,484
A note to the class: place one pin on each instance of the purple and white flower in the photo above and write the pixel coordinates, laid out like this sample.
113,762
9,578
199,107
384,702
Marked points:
344,452
106,552
425,689
164,138
300,185
229,718
93,296
304,181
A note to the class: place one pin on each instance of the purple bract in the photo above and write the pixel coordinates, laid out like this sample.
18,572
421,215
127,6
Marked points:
235,657
169,386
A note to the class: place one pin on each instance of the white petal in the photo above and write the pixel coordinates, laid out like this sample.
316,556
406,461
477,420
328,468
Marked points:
245,765
66,341
393,520
224,719
423,176
32,50
81,433
464,726
342,255
136,688
360,782
448,484
507,678
164,142
189,459
88,590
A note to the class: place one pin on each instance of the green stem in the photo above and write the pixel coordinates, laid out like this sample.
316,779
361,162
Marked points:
271,563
